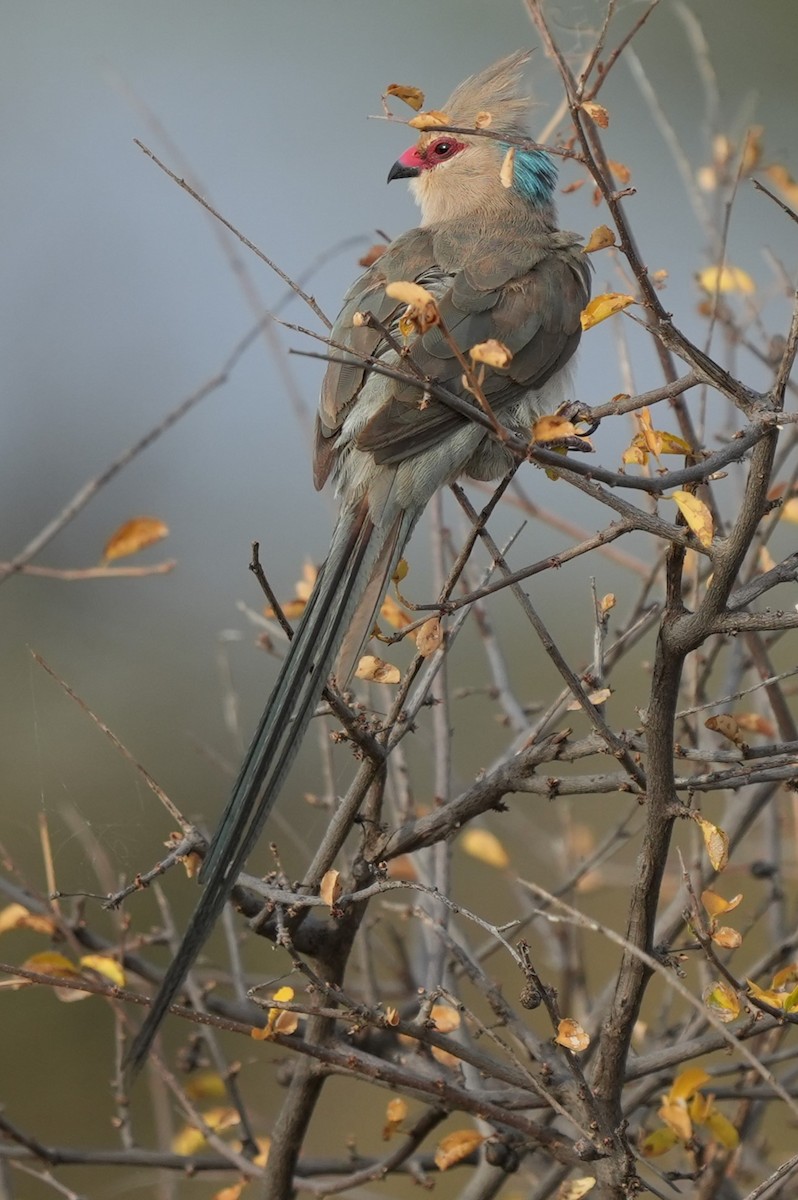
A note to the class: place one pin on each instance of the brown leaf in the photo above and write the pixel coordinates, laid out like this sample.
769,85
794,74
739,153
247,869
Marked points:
597,113
134,535
395,1113
330,888
716,842
726,726
373,253
728,938
425,120
377,670
429,637
412,96
619,170
571,1035
784,182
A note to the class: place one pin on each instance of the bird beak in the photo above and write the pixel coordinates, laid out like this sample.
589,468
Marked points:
401,170
407,165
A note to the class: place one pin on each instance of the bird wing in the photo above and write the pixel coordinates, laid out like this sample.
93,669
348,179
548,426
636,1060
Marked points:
527,290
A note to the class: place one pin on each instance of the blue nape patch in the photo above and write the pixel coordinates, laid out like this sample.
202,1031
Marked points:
534,175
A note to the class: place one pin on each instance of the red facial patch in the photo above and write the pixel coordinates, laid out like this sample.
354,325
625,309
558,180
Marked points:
435,150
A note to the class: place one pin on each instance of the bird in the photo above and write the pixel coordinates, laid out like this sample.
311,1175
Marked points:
489,252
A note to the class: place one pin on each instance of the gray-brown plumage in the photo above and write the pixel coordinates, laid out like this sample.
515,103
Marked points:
499,268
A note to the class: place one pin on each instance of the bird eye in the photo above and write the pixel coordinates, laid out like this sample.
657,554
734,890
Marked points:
443,149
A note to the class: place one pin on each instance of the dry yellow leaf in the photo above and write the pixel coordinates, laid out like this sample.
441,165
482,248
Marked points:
687,1083
716,842
507,168
485,846
553,428
192,863
726,279
596,112
575,1189
109,968
456,1146
393,614
401,571
412,96
786,977
426,120
722,1000
409,293
571,1035
608,602
781,177
483,120
766,995
674,1114
658,1142
446,1018
16,916
492,353
330,888
422,308
278,1020
395,1113
755,723
429,637
286,1022
716,906
601,237
50,962
600,696
377,670
604,306
728,938
188,1141
134,536
722,1129
391,1016
696,514
789,510
264,1145
233,1192
206,1085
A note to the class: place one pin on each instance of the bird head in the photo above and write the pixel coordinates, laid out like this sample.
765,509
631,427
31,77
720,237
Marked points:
457,175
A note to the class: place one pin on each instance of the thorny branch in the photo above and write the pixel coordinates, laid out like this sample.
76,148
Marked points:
546,1062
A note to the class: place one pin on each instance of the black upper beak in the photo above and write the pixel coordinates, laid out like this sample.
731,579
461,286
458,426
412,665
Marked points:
400,171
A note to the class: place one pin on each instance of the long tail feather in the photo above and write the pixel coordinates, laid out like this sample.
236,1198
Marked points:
353,580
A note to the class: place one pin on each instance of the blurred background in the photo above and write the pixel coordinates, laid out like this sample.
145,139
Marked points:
118,302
